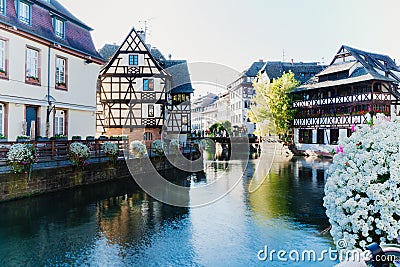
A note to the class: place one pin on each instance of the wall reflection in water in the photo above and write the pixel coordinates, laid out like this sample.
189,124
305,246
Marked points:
294,189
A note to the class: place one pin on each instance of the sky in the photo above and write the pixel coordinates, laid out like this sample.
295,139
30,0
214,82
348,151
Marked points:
236,33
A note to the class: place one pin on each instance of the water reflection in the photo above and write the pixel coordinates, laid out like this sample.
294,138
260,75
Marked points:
117,224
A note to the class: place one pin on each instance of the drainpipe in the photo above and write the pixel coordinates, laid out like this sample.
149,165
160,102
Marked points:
48,95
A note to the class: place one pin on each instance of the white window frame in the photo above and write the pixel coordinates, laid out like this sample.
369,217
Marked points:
61,67
59,122
133,59
24,12
3,7
59,28
3,44
32,63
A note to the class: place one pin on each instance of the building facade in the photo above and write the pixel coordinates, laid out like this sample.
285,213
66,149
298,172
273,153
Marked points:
48,71
355,84
242,91
143,95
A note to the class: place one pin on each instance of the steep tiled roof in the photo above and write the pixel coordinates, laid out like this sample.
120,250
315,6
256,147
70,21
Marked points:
254,69
371,66
77,34
108,50
180,76
179,71
302,71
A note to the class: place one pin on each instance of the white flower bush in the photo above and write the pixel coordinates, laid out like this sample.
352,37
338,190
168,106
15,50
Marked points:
158,147
21,157
137,149
111,150
174,145
78,153
362,193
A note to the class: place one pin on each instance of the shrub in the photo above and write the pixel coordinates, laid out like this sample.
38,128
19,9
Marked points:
174,145
78,153
158,147
21,158
111,150
362,193
137,149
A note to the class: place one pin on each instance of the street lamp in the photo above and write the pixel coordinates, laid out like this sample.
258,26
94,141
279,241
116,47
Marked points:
50,108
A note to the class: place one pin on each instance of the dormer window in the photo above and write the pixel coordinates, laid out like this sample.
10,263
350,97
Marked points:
24,12
59,28
2,7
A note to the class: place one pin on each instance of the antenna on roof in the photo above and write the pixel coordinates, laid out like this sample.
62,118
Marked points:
145,29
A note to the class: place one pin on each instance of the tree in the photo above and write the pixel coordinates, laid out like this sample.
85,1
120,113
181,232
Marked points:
273,104
219,128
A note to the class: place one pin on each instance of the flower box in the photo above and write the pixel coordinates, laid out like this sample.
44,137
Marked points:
89,138
32,79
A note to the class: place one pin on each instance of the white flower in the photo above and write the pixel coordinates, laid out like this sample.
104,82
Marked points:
158,147
362,193
111,149
138,149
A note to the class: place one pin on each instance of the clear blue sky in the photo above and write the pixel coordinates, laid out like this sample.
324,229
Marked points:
236,33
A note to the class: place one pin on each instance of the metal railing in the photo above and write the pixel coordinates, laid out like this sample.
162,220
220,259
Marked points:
57,150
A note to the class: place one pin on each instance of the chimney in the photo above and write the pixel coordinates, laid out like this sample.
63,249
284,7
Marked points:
260,60
292,62
169,56
142,35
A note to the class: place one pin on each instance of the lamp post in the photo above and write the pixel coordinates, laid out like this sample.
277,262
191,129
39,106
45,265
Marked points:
50,108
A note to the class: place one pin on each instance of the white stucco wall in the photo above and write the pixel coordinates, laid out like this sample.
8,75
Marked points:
79,98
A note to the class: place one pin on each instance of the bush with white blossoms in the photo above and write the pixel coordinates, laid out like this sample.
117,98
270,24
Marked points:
137,149
174,145
362,193
158,147
111,150
21,157
78,153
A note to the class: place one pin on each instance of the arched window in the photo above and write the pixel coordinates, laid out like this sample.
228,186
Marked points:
147,136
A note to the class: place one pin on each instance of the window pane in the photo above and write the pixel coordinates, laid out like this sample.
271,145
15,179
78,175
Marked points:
2,55
145,84
24,12
2,10
60,71
32,57
59,27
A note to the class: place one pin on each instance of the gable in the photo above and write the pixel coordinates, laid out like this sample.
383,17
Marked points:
144,62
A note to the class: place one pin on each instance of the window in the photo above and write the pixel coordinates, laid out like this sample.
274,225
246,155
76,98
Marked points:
2,7
59,122
24,12
133,60
184,119
148,85
150,111
147,136
2,119
32,65
59,28
3,58
61,69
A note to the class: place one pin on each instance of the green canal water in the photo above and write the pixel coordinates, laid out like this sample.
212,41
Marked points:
117,224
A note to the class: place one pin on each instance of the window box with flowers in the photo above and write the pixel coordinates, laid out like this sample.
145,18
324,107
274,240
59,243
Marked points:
32,79
3,73
61,85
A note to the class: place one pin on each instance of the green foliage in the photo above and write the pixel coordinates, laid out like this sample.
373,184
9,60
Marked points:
273,104
220,127
3,136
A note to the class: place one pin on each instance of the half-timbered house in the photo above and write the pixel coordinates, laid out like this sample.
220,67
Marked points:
142,94
354,84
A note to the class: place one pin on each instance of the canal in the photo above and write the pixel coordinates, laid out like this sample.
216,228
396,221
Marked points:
117,224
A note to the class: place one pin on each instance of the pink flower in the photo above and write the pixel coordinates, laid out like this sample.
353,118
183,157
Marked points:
353,128
339,149
387,118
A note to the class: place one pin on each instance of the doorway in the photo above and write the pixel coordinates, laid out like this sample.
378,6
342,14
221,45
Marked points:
31,115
